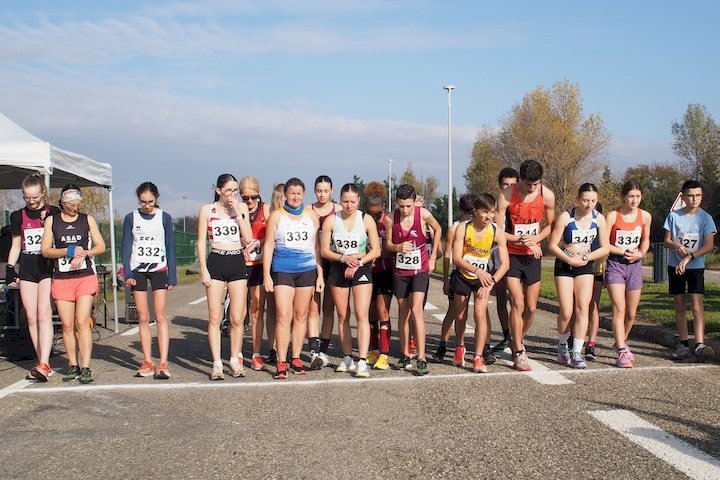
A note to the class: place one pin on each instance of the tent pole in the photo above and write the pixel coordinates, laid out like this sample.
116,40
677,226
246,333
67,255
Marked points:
113,260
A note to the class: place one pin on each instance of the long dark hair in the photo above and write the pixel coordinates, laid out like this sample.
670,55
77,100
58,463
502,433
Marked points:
221,181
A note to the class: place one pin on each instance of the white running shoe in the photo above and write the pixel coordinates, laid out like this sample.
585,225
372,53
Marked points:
347,365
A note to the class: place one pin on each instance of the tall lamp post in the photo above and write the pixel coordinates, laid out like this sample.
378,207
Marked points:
389,205
449,89
184,197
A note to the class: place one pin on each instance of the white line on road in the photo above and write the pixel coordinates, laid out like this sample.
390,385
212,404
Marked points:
132,331
681,455
199,300
15,387
430,306
540,373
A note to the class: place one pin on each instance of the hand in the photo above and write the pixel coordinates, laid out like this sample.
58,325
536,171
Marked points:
529,240
268,284
484,292
77,262
431,262
446,287
132,282
350,272
680,269
11,277
170,287
351,262
320,284
232,200
205,278
406,247
79,252
682,250
576,261
485,279
537,251
632,256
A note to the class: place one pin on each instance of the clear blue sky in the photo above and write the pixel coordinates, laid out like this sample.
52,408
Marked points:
180,92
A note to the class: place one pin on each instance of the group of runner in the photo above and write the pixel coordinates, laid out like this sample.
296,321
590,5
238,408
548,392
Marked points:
300,263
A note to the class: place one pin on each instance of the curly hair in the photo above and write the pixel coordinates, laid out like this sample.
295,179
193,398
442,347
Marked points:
375,194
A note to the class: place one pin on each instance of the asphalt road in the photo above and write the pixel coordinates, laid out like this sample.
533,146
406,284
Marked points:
551,423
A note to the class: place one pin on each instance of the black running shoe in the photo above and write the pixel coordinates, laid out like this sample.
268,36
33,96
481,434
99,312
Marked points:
439,354
590,353
488,356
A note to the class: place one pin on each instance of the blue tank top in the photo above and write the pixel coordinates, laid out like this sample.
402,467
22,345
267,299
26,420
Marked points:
577,238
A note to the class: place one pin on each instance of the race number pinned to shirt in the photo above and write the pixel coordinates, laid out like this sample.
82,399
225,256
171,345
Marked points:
477,263
347,244
628,239
33,239
529,229
581,238
64,264
690,241
408,260
255,253
149,250
225,231
298,237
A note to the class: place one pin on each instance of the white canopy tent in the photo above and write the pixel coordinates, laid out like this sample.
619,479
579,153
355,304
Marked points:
22,153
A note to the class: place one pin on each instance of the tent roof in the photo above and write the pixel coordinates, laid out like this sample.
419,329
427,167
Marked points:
22,153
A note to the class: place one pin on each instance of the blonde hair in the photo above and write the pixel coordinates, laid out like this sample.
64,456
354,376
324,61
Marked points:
278,196
35,180
249,183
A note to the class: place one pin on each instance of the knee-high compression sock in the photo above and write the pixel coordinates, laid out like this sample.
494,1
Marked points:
324,345
385,334
314,344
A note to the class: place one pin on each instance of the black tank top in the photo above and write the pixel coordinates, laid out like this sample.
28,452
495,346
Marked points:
75,233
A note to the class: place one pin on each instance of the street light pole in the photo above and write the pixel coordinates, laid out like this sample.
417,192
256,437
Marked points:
184,197
389,205
449,89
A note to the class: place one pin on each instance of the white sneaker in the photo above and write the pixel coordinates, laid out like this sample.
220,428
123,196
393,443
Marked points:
325,359
362,370
217,373
347,365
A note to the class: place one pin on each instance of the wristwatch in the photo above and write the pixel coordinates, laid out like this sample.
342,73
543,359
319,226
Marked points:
584,257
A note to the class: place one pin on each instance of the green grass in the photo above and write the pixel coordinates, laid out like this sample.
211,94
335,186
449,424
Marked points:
656,304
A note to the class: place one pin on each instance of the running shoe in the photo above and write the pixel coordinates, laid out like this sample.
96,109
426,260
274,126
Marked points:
297,367
521,363
403,363
147,369
563,356
680,353
421,367
72,374
162,372
502,345
590,352
362,370
347,365
413,346
86,375
702,352
382,362
237,369
439,354
479,365
627,347
257,363
42,372
325,359
272,356
31,374
281,373
577,360
217,373
372,358
623,360
488,356
459,358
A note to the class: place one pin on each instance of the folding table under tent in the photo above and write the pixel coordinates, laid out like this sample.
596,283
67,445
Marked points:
22,153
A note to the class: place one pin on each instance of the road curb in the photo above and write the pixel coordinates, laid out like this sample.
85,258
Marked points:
657,334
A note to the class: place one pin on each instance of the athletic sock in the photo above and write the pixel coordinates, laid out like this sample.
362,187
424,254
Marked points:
591,344
374,332
506,334
385,334
577,345
314,344
218,363
324,345
686,343
563,338
234,361
256,354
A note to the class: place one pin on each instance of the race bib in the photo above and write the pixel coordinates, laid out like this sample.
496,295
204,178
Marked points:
64,264
477,263
529,229
347,244
690,241
408,260
225,231
628,239
148,251
33,239
256,254
584,237
298,237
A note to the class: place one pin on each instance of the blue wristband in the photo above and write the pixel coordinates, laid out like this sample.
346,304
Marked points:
71,251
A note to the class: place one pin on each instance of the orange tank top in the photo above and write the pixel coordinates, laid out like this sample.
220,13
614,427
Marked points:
524,218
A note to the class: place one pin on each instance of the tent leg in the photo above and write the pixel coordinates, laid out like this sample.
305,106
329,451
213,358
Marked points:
113,260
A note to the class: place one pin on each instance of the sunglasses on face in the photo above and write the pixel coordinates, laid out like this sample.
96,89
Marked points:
250,197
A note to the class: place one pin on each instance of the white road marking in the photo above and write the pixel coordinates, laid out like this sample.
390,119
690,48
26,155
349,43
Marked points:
430,306
540,373
199,300
439,316
132,331
15,387
692,462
